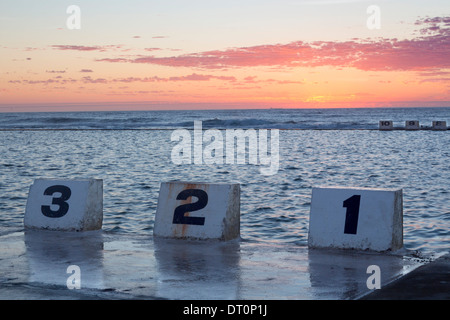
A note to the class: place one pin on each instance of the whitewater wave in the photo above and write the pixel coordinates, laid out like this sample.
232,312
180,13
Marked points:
323,119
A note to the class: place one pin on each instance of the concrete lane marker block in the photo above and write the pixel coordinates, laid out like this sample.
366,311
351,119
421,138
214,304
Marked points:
65,205
439,125
349,218
198,211
386,125
412,125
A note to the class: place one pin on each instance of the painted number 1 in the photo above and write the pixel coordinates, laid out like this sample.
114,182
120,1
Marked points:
179,216
352,214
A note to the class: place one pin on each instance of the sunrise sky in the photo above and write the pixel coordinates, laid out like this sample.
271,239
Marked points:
136,54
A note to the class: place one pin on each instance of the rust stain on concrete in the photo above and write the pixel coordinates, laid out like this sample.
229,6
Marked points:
181,230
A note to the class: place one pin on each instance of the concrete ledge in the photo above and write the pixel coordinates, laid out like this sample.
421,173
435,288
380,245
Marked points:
122,266
428,282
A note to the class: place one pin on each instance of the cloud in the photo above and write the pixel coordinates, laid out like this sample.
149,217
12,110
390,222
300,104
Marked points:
77,48
445,80
190,77
113,60
254,79
88,79
434,73
86,48
436,76
44,82
428,51
433,25
201,77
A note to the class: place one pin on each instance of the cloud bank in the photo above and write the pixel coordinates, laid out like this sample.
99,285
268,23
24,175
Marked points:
429,51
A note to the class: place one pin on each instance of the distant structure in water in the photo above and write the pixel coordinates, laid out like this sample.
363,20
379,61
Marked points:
412,125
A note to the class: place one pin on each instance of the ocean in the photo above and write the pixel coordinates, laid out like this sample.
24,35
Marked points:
132,152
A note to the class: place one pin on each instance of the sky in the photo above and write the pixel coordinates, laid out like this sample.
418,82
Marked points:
58,55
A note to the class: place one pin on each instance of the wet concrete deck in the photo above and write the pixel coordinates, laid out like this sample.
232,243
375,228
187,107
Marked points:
428,282
33,265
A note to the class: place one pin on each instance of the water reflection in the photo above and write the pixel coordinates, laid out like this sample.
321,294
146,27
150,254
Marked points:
197,269
50,253
347,275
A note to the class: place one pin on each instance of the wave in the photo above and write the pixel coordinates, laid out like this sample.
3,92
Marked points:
58,120
241,123
323,119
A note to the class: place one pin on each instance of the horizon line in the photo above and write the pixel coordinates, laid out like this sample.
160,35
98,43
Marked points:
205,106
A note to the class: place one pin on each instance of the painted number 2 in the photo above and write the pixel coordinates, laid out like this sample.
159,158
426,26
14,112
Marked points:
179,216
352,214
60,201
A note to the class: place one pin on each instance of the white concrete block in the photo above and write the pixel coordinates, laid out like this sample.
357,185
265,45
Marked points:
350,218
386,125
412,125
439,125
198,211
66,205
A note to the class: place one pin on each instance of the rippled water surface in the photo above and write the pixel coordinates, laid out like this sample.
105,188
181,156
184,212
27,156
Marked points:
273,208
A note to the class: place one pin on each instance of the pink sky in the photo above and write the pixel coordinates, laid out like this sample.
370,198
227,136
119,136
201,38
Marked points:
404,63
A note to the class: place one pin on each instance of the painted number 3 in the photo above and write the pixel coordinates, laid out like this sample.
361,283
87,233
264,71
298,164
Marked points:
63,206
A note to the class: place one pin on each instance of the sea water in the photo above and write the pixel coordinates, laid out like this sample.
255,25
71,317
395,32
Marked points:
131,152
